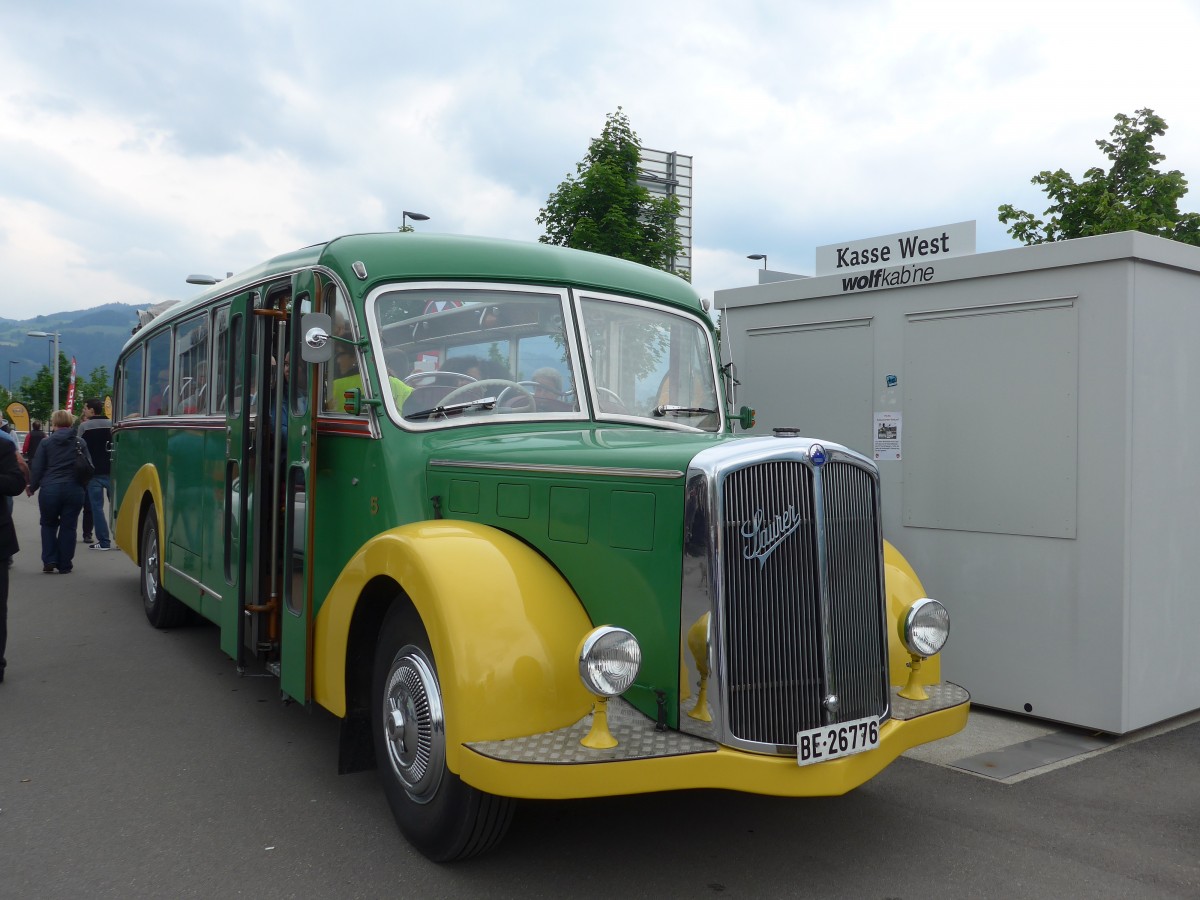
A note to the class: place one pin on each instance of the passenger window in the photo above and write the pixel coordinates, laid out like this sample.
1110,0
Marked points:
191,366
158,375
220,360
130,390
343,372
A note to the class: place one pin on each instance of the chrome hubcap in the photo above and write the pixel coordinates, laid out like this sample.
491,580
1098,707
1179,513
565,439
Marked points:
151,573
413,724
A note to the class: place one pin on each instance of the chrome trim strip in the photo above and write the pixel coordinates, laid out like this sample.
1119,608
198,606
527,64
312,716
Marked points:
552,469
192,581
823,590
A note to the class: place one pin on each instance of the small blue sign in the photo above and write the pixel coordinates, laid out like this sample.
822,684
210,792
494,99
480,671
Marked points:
816,455
892,381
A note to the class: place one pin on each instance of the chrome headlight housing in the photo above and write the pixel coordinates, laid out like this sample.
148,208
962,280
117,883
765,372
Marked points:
609,660
926,627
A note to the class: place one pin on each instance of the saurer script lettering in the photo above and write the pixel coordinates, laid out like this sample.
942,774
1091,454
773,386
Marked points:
762,537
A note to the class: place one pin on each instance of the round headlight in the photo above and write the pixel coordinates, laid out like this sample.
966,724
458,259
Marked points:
926,627
609,659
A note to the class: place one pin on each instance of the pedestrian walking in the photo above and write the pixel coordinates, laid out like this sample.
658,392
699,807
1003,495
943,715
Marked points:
95,430
12,482
6,430
60,495
32,440
83,416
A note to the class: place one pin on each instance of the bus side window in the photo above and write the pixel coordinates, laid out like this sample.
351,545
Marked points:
158,375
220,360
343,371
295,370
191,366
130,393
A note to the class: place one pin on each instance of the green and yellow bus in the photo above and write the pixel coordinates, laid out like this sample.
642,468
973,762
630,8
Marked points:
482,501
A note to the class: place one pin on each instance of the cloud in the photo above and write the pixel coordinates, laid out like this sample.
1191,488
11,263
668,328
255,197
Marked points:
142,142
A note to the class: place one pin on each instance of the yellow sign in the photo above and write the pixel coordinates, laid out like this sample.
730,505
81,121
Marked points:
108,407
18,415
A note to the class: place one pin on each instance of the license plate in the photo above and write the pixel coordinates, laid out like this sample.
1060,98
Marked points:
832,741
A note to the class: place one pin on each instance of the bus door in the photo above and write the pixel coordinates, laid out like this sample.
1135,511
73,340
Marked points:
298,444
239,472
253,491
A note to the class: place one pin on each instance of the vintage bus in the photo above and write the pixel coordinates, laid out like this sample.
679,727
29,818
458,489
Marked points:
483,501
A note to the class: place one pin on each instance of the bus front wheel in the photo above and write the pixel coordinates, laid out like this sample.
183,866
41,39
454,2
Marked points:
162,610
439,814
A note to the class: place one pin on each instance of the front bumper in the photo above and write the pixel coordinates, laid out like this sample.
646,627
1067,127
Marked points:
555,765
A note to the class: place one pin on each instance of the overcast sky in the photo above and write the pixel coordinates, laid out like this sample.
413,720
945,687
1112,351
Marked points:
144,141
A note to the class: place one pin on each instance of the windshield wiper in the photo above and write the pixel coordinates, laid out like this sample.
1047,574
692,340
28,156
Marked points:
668,410
481,403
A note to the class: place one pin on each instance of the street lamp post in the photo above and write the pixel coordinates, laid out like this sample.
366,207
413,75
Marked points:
54,366
415,216
11,363
761,256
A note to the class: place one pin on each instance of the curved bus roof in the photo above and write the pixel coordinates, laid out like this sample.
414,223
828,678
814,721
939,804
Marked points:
412,256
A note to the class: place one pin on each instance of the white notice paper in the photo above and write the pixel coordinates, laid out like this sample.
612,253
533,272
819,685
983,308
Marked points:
887,435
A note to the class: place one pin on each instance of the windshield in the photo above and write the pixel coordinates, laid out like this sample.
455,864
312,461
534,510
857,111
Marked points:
468,352
463,352
648,363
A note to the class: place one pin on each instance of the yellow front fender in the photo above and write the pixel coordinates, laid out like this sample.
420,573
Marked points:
503,625
129,518
903,589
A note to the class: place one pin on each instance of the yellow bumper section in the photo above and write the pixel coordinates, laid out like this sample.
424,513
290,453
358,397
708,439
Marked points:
556,766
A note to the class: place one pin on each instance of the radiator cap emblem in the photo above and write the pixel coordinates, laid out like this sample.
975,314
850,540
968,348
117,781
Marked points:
816,455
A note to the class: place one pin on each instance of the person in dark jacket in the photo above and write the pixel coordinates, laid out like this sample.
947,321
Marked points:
35,437
95,430
12,482
61,497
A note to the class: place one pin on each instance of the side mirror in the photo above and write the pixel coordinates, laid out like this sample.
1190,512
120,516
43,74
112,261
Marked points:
317,345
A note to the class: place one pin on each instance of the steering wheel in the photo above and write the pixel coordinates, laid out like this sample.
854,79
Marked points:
440,378
518,399
615,403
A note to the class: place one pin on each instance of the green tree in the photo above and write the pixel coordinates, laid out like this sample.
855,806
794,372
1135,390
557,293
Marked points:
95,385
1133,195
36,391
602,208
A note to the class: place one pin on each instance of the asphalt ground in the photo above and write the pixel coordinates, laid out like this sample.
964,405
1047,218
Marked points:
137,763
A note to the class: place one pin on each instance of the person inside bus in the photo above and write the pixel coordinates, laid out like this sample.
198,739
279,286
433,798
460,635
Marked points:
348,377
160,396
477,368
549,384
61,496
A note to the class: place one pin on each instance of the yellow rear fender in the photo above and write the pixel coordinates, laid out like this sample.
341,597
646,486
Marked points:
503,625
127,527
903,590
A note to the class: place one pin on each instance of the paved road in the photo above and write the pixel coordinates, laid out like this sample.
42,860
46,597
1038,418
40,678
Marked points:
135,763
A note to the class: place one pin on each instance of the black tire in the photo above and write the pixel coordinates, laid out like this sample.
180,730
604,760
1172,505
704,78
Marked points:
162,609
437,812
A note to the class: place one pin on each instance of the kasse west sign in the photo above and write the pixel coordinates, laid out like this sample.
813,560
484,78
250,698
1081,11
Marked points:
903,248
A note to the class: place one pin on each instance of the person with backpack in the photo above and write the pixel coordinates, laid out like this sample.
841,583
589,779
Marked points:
61,497
95,430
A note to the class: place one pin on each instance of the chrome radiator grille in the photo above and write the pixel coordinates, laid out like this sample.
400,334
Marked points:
801,599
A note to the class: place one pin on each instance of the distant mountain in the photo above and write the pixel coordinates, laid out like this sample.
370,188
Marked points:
93,336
